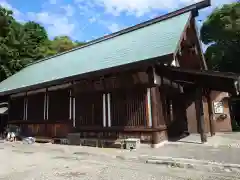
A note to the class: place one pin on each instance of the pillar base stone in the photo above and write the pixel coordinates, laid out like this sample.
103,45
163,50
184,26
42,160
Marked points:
159,144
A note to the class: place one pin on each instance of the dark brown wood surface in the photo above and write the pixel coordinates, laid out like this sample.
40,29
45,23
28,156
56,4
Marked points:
58,107
35,107
128,107
16,108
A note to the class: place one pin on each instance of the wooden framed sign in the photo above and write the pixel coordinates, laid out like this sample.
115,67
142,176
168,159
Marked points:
218,107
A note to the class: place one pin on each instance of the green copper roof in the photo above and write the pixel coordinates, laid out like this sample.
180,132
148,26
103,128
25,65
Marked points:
151,41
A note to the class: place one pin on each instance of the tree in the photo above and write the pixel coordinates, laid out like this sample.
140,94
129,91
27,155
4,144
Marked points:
64,43
221,32
20,44
46,49
59,44
36,32
6,19
78,43
35,37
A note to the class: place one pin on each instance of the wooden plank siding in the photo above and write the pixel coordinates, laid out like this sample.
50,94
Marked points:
58,105
128,107
35,107
88,109
112,107
34,124
16,108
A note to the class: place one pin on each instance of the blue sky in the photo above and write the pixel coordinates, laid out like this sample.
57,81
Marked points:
85,20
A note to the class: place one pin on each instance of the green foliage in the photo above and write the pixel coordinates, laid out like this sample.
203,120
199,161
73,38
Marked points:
21,44
6,21
58,45
36,32
62,43
221,31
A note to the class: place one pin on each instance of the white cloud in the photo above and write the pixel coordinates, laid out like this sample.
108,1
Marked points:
6,5
87,8
214,4
114,27
139,7
154,15
92,20
53,1
16,13
58,18
151,8
69,10
55,24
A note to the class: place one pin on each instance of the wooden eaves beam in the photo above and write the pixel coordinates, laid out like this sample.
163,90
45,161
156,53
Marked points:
226,82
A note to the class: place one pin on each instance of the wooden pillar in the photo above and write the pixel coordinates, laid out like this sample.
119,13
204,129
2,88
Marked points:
109,110
70,104
25,107
154,102
74,111
104,110
200,115
9,106
158,119
46,105
73,96
148,108
210,112
155,115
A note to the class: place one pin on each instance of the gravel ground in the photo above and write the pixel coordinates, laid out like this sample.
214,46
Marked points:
40,162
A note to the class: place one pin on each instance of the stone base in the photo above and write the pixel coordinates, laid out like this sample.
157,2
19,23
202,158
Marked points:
159,139
159,144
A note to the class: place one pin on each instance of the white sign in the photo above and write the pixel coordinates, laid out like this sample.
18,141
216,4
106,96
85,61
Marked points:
218,107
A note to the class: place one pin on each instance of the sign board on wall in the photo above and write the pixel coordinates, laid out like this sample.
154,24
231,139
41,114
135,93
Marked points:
218,107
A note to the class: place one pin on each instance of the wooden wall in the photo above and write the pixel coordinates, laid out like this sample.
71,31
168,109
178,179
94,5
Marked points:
222,125
43,129
79,108
58,105
219,125
88,109
128,107
35,107
16,108
34,121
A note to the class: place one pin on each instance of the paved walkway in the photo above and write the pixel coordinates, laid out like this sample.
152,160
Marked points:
54,162
223,148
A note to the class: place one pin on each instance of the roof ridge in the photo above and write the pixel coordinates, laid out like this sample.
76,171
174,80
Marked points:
193,7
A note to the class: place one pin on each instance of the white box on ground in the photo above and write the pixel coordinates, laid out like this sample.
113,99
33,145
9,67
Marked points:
132,143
